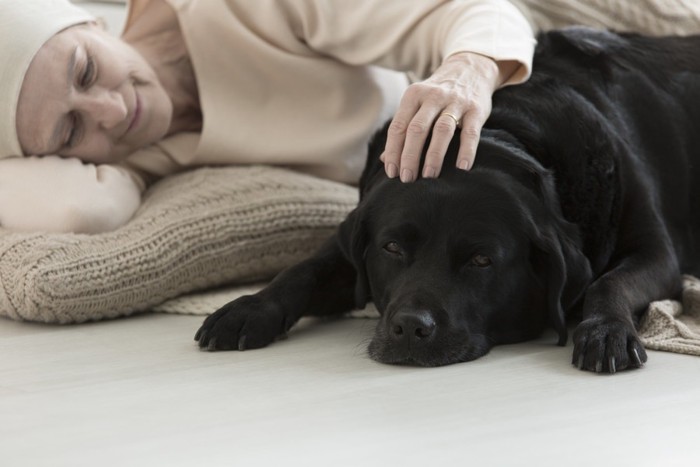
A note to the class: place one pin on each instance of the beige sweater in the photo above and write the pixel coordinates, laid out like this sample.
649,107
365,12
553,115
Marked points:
298,83
287,82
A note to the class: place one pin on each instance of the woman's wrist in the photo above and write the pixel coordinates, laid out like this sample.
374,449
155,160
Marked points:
494,72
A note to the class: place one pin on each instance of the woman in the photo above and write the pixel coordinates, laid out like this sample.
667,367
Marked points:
189,83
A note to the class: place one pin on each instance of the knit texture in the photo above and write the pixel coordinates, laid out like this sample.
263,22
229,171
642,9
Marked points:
195,230
656,17
674,326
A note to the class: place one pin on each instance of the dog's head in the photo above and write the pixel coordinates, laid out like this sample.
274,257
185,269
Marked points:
458,264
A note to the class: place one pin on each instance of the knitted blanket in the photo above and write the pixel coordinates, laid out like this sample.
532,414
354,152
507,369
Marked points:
669,325
674,326
194,231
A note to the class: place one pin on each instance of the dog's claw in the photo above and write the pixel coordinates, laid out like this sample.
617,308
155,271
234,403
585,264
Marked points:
580,362
241,343
637,360
599,366
198,334
611,365
202,337
212,345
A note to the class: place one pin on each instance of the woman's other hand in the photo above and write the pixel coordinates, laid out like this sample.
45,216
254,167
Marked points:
456,96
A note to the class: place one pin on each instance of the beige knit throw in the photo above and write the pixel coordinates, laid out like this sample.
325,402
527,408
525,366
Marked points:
194,231
675,326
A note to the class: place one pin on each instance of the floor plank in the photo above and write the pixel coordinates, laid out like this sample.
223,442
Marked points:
137,391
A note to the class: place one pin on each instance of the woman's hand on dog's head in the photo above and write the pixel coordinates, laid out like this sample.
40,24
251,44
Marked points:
457,96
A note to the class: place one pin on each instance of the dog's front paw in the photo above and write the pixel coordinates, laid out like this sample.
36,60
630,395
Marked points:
248,322
607,344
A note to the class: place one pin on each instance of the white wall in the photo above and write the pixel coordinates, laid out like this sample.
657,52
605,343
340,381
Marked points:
113,12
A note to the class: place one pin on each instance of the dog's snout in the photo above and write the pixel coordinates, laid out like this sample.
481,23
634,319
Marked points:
414,326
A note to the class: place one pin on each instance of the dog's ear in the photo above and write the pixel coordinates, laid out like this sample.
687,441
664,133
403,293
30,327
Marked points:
352,240
566,271
557,253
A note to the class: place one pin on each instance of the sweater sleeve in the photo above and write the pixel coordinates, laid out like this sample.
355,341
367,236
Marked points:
414,35
53,194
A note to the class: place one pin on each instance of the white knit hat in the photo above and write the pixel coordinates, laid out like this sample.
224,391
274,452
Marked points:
25,25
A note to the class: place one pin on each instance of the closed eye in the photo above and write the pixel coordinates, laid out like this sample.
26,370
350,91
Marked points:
89,74
86,78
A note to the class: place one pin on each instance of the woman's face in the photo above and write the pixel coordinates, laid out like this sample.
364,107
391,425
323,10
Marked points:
90,95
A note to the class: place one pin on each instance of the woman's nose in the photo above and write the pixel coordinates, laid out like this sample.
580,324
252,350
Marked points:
105,107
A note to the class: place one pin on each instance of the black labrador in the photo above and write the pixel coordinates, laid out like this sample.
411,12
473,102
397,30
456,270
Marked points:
581,205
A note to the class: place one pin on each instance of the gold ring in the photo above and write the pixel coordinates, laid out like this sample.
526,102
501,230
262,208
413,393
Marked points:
456,120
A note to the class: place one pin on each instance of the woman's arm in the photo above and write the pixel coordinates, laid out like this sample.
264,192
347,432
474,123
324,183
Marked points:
53,194
463,49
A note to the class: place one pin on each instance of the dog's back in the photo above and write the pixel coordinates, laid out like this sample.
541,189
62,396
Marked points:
588,85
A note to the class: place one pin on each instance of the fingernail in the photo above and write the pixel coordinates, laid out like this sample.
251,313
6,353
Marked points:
428,172
392,171
406,175
463,164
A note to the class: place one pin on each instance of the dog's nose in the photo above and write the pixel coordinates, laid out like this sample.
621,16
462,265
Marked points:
414,326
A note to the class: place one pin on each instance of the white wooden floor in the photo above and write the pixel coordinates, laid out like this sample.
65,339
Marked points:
137,392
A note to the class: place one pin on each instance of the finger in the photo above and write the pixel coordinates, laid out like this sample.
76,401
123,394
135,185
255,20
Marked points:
396,135
472,123
416,134
443,132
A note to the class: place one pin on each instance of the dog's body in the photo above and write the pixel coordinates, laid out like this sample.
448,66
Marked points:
581,203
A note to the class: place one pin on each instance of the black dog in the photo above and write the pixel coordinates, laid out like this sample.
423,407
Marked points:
581,203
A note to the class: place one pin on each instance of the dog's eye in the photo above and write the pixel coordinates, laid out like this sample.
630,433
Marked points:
393,248
481,261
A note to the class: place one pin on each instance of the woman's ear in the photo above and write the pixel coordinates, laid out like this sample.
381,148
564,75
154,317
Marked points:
353,243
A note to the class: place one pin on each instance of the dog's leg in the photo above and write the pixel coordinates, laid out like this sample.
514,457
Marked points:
644,269
321,285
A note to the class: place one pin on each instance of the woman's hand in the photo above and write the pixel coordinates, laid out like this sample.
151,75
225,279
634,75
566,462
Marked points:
457,95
